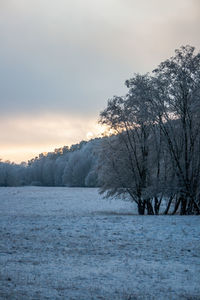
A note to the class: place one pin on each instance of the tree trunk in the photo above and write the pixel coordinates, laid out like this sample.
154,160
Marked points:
183,205
168,205
190,207
141,207
178,201
156,206
149,207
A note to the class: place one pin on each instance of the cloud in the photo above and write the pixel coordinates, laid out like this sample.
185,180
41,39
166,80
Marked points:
48,63
73,55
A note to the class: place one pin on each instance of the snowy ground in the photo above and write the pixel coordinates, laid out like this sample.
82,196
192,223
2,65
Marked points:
69,243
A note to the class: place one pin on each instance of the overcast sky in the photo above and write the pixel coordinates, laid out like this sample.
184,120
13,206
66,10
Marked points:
60,60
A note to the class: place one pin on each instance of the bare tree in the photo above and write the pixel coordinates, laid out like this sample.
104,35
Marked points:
130,118
176,102
158,124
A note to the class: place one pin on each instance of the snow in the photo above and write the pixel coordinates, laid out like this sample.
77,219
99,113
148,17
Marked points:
70,243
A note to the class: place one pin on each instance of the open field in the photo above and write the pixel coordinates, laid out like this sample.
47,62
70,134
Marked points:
69,243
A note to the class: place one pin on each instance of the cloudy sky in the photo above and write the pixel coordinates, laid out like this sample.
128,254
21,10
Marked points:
60,60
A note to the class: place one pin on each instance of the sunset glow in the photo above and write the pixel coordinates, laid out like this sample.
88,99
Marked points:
32,136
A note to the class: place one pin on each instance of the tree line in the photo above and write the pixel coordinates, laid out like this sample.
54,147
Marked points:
151,157
67,166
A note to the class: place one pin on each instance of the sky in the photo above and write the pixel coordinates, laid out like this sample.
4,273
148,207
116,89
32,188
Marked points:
61,60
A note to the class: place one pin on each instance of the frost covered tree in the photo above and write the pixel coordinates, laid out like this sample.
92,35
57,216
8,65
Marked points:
74,166
177,107
131,119
12,174
158,135
67,166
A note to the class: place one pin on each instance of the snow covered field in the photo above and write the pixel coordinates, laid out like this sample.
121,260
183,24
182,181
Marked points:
69,243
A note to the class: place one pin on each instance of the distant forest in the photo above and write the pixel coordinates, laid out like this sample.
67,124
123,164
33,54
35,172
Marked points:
73,166
151,157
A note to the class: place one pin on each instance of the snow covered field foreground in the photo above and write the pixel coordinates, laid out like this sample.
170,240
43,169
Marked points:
69,243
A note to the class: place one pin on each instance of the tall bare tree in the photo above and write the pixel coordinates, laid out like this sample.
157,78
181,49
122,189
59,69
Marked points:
177,106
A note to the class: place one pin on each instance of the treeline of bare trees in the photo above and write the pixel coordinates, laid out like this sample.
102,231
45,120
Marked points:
73,166
153,156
